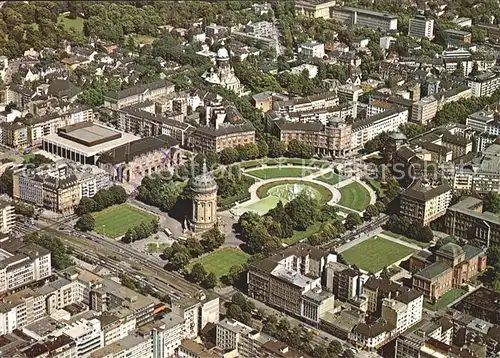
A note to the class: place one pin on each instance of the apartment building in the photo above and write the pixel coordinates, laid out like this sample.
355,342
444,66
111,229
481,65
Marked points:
314,8
466,219
424,202
346,283
333,138
7,216
484,84
349,93
197,311
424,110
138,94
59,186
410,342
376,289
22,264
365,18
167,334
421,27
291,280
62,346
367,129
133,346
260,28
404,310
371,335
321,101
221,136
312,49
487,125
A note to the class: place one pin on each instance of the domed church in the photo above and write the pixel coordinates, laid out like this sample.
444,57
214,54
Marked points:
223,75
204,199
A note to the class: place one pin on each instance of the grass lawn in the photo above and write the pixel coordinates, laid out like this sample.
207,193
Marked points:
142,39
156,247
299,235
373,254
68,23
220,261
330,178
376,185
281,172
444,300
116,220
407,239
354,196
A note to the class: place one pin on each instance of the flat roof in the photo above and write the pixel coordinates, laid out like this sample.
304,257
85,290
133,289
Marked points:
90,140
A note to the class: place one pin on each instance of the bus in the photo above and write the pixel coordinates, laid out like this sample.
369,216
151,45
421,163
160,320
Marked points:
167,232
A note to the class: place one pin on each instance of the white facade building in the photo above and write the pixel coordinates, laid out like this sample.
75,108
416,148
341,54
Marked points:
403,311
87,334
484,84
7,216
421,27
312,49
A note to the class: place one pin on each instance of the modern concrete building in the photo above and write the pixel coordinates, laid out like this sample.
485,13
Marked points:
376,289
457,36
138,94
421,27
365,18
404,310
424,202
7,216
312,49
197,312
84,142
484,84
132,346
22,264
424,110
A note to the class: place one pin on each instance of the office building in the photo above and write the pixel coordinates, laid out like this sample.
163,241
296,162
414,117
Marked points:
197,311
346,283
138,94
404,310
376,289
365,18
366,129
314,8
321,101
452,266
7,216
424,202
349,93
132,346
484,84
60,186
167,334
291,280
421,27
133,161
457,36
312,49
424,110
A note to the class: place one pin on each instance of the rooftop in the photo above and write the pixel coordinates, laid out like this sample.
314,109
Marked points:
434,271
423,191
483,303
138,89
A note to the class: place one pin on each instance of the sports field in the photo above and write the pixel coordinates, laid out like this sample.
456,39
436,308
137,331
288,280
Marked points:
219,262
282,172
373,254
330,178
354,196
116,220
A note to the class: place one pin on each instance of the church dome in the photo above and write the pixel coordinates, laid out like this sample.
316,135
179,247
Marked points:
204,181
450,250
222,53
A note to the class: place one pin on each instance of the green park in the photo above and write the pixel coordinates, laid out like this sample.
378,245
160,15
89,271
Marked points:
116,220
354,196
220,261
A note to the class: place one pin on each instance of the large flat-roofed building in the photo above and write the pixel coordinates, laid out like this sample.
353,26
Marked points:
424,202
22,264
132,161
314,8
457,36
365,18
137,94
482,304
291,280
197,311
221,136
467,220
420,26
84,142
484,84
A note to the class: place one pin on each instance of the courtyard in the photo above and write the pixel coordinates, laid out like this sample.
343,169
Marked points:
374,254
117,219
220,261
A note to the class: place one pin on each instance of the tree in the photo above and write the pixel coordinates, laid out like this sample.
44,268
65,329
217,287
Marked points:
234,311
198,273
425,234
478,34
263,148
24,209
475,70
446,240
234,273
212,239
229,156
300,149
85,206
179,260
385,273
85,223
492,202
60,257
349,354
335,347
380,206
371,211
352,220
276,148
194,247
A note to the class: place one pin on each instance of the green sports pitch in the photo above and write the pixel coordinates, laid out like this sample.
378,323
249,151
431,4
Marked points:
116,220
